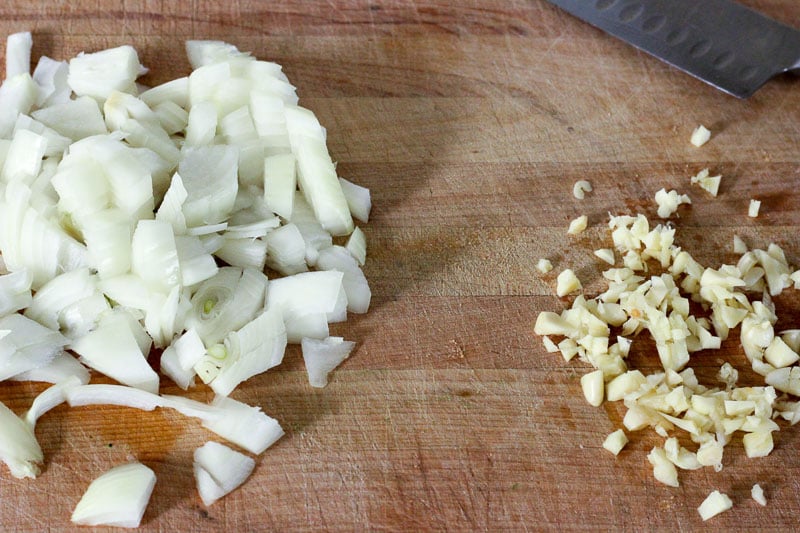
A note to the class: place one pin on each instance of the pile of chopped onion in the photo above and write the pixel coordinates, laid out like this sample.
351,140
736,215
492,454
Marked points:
203,217
685,307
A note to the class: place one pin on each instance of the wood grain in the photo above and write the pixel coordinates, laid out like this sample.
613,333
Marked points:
469,121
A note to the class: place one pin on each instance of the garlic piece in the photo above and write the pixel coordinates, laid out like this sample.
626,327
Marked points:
668,202
606,254
567,282
714,504
700,136
615,441
706,182
663,469
758,444
544,266
739,246
593,387
580,189
752,210
758,494
578,225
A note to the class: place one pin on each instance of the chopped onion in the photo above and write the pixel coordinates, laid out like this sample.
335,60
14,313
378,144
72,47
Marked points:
357,246
358,199
50,398
280,183
355,284
26,345
243,425
100,73
316,296
117,498
322,356
226,302
18,54
219,470
15,291
62,367
256,347
112,348
120,395
19,449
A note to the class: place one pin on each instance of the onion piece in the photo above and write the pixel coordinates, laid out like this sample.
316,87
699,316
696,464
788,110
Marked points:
18,95
62,367
15,291
219,470
286,250
51,77
113,349
243,425
323,356
49,398
75,119
100,73
19,449
280,183
120,395
357,246
315,296
354,282
18,54
58,294
117,498
154,256
226,302
258,346
358,199
209,175
26,345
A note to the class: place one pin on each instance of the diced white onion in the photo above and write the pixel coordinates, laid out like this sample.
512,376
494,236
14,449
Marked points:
117,498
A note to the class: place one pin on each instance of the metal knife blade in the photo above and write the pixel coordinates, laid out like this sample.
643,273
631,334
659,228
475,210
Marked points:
725,44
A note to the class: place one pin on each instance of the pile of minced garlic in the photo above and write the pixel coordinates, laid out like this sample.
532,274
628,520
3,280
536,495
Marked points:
601,330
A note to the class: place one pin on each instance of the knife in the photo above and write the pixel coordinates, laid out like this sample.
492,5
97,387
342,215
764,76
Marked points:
725,44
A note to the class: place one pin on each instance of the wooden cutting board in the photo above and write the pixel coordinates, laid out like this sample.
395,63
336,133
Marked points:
469,121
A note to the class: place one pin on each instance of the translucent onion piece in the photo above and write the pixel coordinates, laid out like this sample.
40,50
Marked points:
24,157
280,183
196,263
243,425
358,199
58,294
15,291
210,177
175,91
357,246
19,449
286,250
172,369
62,367
226,302
308,296
108,234
314,235
354,282
18,95
112,348
117,498
219,470
253,349
120,395
76,119
51,77
154,256
316,173
101,73
49,399
18,54
245,253
26,345
322,356
56,144
170,208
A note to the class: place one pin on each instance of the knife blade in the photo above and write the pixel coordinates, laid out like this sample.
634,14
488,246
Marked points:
721,42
